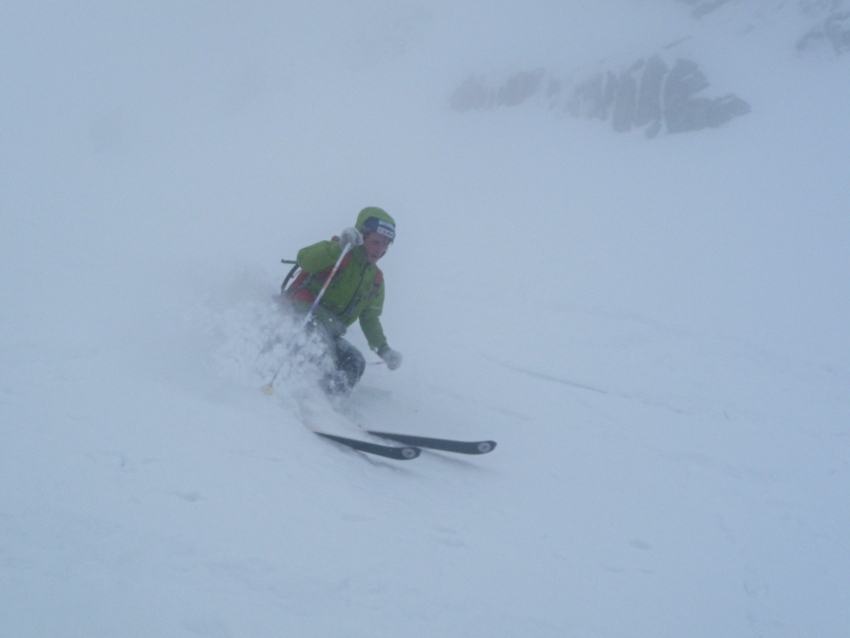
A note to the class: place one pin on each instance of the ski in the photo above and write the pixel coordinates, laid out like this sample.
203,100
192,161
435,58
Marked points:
405,453
445,445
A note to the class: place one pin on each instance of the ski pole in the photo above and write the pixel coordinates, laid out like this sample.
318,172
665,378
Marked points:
269,387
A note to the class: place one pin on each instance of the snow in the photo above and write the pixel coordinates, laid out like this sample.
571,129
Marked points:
655,332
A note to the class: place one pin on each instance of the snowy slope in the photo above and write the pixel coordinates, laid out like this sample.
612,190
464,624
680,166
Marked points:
655,332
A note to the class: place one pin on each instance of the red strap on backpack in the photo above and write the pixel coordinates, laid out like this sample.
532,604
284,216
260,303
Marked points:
297,290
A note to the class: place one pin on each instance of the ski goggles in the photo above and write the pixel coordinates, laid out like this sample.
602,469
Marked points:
375,225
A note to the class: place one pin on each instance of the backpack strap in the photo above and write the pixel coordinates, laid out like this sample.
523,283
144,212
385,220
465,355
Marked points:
289,276
298,290
376,285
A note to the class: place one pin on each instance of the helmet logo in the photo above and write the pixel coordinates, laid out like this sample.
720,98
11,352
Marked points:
375,225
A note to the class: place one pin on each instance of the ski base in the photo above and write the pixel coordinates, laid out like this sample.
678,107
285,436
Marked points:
445,445
405,453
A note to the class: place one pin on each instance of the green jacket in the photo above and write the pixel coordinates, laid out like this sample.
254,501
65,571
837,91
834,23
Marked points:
356,292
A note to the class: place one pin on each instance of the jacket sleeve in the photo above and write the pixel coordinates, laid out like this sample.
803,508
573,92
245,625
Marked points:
370,321
319,257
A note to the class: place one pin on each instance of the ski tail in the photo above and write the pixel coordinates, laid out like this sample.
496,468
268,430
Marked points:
399,453
445,445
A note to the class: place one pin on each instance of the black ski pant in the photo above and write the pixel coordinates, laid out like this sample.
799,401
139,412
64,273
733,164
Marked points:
347,361
349,365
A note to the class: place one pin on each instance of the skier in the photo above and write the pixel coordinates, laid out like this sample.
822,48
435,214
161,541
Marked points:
356,292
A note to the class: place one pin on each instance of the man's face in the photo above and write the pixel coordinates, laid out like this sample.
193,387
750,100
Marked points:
375,246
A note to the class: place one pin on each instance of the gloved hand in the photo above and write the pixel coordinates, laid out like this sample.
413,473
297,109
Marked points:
350,236
391,357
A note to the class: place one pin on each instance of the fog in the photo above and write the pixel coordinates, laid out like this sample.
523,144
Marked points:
649,315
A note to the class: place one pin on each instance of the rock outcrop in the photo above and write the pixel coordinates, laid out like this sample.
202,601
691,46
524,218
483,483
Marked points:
649,94
664,92
835,29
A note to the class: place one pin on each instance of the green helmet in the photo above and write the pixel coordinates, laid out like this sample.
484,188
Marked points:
376,220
